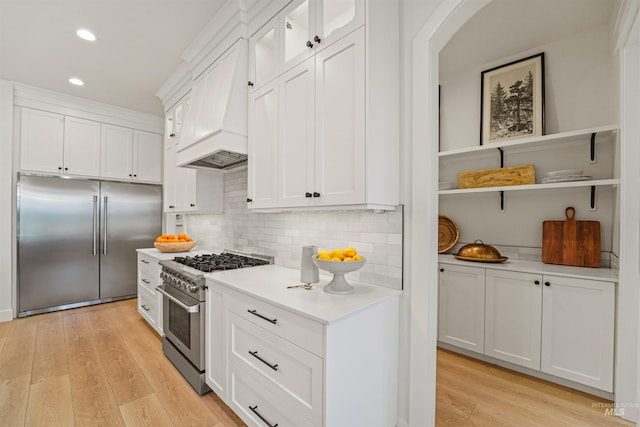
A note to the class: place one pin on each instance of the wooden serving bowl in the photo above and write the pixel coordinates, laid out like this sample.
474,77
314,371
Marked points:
174,246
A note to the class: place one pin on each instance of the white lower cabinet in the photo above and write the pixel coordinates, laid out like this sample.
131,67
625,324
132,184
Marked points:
149,300
513,317
578,330
286,369
461,307
562,326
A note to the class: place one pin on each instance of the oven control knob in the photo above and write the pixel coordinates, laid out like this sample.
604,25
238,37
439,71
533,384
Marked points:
182,283
193,288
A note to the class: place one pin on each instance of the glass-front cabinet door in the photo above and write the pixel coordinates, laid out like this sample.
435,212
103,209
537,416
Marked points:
335,19
264,48
297,24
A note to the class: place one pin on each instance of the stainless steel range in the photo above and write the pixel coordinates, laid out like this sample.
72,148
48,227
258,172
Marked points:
184,294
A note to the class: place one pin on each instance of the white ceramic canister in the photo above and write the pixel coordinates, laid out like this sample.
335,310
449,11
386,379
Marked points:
308,271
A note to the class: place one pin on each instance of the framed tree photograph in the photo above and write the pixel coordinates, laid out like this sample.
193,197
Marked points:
512,100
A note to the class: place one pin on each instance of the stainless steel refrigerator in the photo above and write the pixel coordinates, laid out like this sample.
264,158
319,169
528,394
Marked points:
77,240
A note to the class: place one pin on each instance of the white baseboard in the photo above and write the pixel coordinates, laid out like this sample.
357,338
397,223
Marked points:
6,315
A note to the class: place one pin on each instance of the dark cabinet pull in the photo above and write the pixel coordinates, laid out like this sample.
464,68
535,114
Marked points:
317,39
146,281
537,282
250,83
309,44
193,205
66,169
316,194
134,175
144,261
59,168
441,270
172,135
255,354
547,284
145,307
254,409
171,207
255,313
130,175
307,195
249,200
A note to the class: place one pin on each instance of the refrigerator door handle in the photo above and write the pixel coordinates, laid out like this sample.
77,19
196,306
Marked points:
104,226
95,225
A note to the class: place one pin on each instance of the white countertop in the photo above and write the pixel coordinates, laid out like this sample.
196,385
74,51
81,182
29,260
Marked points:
170,255
269,283
538,267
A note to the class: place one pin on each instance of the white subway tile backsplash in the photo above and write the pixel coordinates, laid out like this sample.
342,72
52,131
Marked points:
376,236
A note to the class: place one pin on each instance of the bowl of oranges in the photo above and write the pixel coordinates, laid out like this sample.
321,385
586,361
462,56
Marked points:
172,243
339,262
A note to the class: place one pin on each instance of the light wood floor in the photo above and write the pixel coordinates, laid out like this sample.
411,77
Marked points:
96,366
103,365
473,393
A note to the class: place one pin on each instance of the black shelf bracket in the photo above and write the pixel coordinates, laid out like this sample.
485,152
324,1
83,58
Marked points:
501,156
592,203
592,154
501,201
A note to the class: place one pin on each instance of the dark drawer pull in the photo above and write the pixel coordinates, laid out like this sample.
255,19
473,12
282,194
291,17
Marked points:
254,409
255,313
145,307
255,354
146,281
144,261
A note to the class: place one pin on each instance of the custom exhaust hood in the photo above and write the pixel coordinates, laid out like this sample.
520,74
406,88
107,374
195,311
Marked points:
214,134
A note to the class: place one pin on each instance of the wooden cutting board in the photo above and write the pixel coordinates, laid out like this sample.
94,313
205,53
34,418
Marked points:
571,242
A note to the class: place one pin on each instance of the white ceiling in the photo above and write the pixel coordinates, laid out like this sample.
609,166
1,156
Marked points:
139,45
529,23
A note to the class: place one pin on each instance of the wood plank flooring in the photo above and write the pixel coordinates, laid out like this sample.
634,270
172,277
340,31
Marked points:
474,393
103,366
96,366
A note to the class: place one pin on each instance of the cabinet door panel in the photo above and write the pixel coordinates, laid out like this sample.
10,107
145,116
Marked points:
340,127
81,146
337,18
147,156
42,140
169,181
296,135
578,330
117,152
263,147
461,307
513,315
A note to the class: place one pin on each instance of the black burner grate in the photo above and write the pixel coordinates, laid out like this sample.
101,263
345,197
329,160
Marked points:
215,262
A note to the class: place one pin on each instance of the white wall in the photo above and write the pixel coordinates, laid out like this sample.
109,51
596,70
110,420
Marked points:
6,197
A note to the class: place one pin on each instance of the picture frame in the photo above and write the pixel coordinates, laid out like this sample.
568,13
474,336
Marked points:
512,100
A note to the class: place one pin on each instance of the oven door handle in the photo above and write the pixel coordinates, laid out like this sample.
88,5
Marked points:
189,309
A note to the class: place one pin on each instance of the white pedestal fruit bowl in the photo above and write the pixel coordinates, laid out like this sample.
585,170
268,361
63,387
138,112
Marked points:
338,285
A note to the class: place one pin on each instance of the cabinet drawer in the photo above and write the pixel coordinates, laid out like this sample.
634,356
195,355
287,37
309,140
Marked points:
294,373
148,265
251,400
148,305
294,328
148,281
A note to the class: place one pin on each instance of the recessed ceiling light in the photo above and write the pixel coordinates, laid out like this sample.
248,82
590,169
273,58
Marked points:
76,81
86,35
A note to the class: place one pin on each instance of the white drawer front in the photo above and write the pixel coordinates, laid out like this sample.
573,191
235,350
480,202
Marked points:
296,374
148,281
148,306
297,329
148,265
252,401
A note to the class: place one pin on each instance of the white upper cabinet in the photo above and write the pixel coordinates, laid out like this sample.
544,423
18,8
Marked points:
263,145
337,106
81,146
117,152
264,48
55,143
129,154
147,156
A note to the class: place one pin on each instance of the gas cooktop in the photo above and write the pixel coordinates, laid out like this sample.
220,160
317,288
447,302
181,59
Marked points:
224,261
